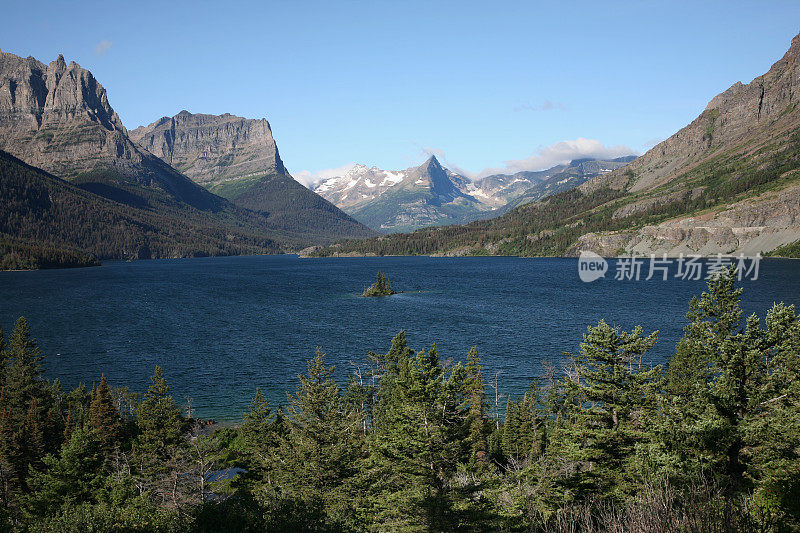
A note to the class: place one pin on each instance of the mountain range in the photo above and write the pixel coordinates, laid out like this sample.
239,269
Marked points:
77,186
729,182
56,124
432,195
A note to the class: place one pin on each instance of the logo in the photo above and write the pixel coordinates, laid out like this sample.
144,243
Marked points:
591,266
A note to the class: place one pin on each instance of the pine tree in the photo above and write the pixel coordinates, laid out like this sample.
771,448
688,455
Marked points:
10,454
262,433
773,447
160,426
24,373
26,401
257,422
714,381
104,417
3,359
523,437
418,439
33,435
73,477
476,418
612,388
77,403
714,317
323,444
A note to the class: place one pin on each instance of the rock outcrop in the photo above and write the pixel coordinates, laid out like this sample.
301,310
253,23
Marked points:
212,149
755,225
57,118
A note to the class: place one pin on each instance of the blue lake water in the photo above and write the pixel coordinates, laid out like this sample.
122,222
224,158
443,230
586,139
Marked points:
220,327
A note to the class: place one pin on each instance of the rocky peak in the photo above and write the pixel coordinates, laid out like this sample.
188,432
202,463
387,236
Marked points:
212,149
38,101
432,163
57,117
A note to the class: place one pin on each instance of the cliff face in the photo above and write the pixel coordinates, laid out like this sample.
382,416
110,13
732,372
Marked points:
237,158
752,226
57,118
212,149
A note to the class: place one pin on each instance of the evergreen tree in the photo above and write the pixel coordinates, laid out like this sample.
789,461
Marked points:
713,396
3,358
323,444
262,432
773,445
160,427
77,404
26,403
612,388
476,418
714,317
10,454
24,381
418,438
104,417
73,477
523,433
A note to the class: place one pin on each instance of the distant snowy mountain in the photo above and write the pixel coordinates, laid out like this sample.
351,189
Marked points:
431,194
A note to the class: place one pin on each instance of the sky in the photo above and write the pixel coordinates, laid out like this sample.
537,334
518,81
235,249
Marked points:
486,86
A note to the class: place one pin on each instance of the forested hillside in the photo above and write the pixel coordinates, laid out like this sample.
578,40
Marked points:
609,443
46,221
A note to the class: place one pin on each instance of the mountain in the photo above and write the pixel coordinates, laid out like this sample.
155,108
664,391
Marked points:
237,158
729,182
508,191
57,118
394,201
46,221
431,195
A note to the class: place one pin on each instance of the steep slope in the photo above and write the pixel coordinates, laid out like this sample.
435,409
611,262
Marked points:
46,221
212,149
57,118
420,196
238,159
728,182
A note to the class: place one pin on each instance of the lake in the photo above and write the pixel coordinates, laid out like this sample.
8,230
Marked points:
220,327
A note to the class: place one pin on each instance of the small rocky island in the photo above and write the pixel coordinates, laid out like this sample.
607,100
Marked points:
381,287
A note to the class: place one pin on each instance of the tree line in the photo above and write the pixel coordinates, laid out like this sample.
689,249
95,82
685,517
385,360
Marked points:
706,442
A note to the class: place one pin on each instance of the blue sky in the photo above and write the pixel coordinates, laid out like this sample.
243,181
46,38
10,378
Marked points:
486,85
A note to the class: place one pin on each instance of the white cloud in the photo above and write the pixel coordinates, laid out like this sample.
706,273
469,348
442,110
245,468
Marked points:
558,154
309,179
102,47
438,152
